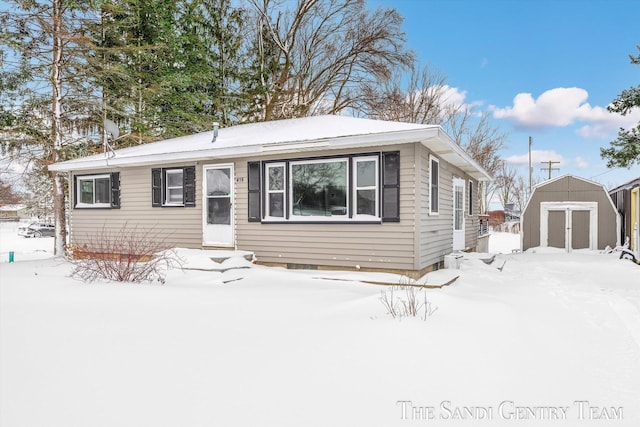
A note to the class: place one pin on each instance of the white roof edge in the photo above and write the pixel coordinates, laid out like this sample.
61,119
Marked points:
363,140
460,151
565,175
568,175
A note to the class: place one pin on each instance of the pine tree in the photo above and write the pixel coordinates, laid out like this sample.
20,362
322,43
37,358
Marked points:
625,150
168,68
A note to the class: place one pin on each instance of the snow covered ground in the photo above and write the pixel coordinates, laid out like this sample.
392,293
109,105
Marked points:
552,335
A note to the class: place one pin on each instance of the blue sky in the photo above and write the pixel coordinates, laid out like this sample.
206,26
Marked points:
542,68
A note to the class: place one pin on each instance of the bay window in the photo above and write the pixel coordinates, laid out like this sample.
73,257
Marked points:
359,188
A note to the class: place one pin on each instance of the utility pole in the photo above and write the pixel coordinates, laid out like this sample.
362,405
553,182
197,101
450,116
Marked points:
549,168
530,168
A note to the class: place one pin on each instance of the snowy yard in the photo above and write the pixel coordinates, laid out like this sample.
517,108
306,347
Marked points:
552,335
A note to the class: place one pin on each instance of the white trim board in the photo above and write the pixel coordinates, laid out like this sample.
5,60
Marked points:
569,207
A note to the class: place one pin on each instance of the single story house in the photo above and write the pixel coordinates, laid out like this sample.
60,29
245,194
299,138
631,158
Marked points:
315,192
569,212
12,212
626,198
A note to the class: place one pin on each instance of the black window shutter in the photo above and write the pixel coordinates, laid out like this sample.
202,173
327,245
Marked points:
254,191
391,187
115,190
156,187
189,186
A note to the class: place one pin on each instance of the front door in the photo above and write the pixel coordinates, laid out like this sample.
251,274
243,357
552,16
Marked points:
458,214
218,206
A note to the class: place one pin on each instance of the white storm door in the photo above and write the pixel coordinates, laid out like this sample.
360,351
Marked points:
218,224
458,214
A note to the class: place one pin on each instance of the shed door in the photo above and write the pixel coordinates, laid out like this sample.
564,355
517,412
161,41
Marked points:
557,229
580,229
218,219
458,214
569,225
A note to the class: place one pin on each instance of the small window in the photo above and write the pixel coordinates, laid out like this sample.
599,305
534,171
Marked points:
366,192
174,191
173,187
97,191
470,196
434,183
275,190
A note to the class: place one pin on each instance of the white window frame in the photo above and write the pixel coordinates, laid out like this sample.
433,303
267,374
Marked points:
79,179
375,187
433,159
470,198
268,191
167,172
314,218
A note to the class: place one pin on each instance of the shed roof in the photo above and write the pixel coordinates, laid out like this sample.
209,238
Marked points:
542,184
284,136
627,185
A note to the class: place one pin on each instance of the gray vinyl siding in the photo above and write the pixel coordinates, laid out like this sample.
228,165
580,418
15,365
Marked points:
386,245
419,240
436,231
181,226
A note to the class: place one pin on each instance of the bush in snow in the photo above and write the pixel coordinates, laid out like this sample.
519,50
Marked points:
407,299
125,255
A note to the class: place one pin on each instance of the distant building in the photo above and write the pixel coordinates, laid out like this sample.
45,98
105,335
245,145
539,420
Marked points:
10,213
569,212
626,198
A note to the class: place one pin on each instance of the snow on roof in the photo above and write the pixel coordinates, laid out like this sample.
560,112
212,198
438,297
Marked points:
11,208
280,136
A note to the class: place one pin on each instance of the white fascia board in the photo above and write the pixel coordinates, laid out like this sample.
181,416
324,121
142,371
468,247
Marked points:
446,148
432,137
356,141
155,159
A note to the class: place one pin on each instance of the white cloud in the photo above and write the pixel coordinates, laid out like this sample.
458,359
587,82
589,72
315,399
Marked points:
581,163
561,107
537,157
452,96
484,62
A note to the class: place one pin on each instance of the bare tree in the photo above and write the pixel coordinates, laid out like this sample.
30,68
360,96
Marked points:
520,193
482,141
422,98
416,98
317,56
8,196
506,182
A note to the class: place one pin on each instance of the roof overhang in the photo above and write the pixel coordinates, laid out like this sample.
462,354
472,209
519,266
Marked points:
433,137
